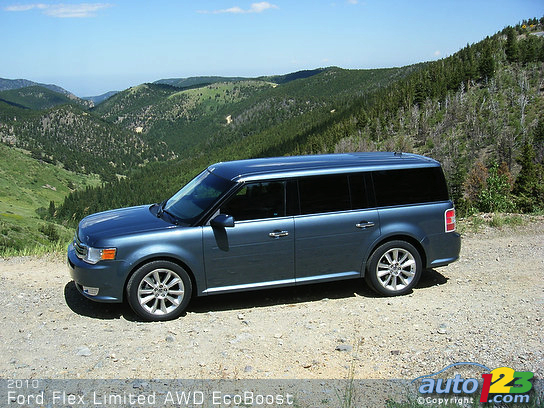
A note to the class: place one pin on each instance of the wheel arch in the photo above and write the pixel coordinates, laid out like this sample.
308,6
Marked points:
398,237
167,258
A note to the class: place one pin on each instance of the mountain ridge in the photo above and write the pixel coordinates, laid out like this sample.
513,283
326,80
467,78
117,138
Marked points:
199,81
10,84
37,97
98,99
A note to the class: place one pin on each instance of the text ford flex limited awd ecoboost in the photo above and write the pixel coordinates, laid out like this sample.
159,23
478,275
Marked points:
273,222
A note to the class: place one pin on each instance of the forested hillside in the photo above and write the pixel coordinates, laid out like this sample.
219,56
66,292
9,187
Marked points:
478,112
38,97
200,115
77,140
178,117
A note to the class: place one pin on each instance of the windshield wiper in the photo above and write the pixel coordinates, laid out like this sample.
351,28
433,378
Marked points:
161,208
173,219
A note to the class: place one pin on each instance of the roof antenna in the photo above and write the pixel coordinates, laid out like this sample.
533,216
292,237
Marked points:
397,154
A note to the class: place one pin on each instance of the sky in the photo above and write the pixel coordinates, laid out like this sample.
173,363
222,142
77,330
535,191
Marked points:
90,48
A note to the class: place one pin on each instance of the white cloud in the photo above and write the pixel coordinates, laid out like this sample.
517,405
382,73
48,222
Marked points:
254,8
25,7
353,1
62,10
437,53
260,7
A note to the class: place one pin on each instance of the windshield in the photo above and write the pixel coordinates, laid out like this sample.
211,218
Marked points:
196,197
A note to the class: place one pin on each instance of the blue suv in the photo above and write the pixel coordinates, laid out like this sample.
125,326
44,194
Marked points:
265,223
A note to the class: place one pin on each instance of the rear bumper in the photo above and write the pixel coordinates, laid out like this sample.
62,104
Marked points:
442,249
107,276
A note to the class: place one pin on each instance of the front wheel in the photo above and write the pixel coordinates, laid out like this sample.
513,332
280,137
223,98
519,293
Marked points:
159,290
394,268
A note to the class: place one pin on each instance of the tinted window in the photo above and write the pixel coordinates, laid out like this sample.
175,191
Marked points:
257,200
357,188
409,186
324,194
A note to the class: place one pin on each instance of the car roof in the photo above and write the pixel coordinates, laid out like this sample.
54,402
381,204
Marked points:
290,166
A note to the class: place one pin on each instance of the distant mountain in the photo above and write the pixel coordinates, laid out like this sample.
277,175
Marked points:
282,79
9,84
185,117
179,117
197,81
193,82
96,100
38,97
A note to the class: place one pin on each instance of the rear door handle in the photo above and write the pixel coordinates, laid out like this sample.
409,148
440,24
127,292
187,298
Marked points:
365,224
277,234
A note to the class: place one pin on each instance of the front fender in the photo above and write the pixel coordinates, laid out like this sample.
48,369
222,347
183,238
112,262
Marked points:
181,244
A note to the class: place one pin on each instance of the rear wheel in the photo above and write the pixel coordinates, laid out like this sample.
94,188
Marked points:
394,268
159,290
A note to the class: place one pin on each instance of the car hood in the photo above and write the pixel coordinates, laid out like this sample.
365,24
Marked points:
123,221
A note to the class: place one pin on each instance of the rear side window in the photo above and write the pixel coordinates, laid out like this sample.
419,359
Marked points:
357,188
409,186
322,194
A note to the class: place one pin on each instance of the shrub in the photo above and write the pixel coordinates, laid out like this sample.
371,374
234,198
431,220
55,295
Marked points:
496,197
50,231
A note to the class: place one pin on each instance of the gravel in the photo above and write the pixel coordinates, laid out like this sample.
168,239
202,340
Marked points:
486,308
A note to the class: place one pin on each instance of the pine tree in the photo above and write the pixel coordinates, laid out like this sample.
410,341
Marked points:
528,186
511,50
52,209
487,63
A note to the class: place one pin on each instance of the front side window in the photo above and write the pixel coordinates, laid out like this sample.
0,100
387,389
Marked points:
257,201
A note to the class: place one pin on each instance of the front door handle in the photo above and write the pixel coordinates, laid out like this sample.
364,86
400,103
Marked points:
277,234
365,224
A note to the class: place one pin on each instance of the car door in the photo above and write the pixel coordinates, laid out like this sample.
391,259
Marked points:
335,229
258,251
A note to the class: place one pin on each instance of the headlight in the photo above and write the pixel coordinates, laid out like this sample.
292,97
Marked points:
98,254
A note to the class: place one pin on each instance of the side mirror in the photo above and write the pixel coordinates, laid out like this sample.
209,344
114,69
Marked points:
222,221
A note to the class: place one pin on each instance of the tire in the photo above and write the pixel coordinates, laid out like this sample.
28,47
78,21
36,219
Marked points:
394,268
159,290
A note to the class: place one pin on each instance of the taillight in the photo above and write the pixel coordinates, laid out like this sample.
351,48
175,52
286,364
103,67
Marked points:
450,220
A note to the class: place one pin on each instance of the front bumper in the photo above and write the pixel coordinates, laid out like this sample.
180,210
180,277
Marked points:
108,277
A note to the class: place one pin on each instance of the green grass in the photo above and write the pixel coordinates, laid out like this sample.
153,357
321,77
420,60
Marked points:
509,220
476,222
27,186
56,247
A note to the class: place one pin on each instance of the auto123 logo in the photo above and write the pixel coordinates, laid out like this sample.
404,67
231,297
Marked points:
501,385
